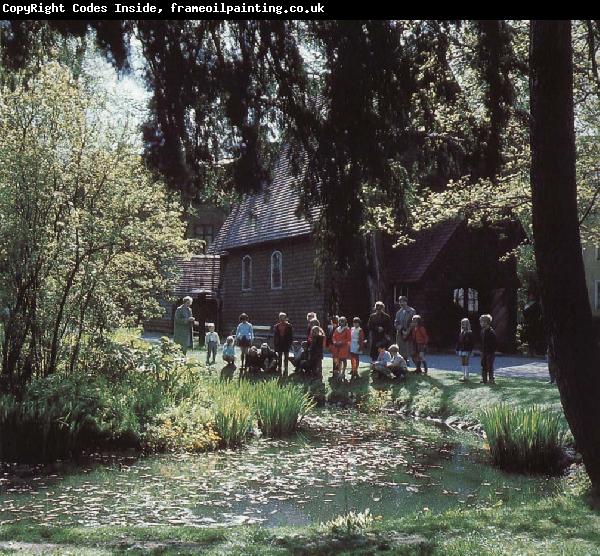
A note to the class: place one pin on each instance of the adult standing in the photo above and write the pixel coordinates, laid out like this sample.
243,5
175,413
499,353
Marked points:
282,341
310,317
380,327
402,324
183,325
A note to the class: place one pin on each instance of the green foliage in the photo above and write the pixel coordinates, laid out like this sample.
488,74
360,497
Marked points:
87,236
528,439
349,523
277,407
188,427
233,421
112,404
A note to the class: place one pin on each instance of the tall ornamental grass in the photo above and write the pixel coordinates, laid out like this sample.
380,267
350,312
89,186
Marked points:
527,439
278,408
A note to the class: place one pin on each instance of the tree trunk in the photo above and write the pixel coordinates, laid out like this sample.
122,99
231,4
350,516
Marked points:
556,234
376,283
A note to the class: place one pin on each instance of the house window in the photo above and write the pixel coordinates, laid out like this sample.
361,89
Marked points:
467,298
247,273
276,270
459,297
472,300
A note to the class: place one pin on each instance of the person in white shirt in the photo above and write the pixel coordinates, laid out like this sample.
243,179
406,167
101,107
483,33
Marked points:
211,341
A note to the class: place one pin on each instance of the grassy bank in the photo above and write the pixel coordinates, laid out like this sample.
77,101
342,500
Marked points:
563,524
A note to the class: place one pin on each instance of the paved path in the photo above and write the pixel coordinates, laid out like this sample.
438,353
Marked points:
505,365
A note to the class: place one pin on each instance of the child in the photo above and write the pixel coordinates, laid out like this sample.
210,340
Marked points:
244,336
379,367
229,351
300,356
357,345
329,330
397,366
268,358
340,347
488,349
315,357
282,341
211,341
464,347
420,339
253,360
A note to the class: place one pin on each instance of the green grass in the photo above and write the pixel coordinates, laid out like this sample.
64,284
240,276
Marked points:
527,439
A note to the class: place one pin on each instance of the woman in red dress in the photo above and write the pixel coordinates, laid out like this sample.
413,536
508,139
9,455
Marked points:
340,347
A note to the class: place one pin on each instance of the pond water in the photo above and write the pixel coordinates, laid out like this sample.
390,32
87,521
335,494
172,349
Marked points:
340,461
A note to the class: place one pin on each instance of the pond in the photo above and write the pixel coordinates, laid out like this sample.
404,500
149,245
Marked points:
340,461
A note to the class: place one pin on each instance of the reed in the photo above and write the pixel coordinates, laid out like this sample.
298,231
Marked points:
529,439
277,407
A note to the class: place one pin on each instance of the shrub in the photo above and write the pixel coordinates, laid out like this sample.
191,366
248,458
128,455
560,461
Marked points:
110,405
525,439
349,523
186,427
52,420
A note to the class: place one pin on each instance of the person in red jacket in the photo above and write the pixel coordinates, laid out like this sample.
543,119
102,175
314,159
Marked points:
420,339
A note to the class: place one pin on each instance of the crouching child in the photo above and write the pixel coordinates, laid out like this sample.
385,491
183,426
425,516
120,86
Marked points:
397,365
268,358
253,360
379,367
229,351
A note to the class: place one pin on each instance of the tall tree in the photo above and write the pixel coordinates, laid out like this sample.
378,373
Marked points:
557,242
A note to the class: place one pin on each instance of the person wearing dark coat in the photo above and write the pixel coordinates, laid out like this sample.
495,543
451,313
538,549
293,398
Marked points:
380,329
315,350
282,341
254,361
488,349
268,358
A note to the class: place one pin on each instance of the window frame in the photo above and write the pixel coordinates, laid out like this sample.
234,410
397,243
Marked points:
249,277
280,254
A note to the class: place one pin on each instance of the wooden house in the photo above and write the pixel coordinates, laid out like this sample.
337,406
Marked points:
269,263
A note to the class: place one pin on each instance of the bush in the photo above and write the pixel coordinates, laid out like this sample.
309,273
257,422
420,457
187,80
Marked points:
524,439
187,427
111,405
54,419
349,523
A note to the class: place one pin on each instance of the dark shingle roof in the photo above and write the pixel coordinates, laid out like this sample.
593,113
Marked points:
409,263
200,274
269,215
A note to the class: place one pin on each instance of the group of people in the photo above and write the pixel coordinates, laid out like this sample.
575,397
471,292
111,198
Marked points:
388,359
